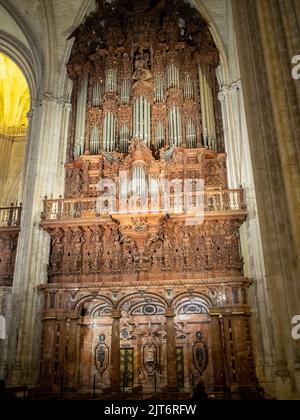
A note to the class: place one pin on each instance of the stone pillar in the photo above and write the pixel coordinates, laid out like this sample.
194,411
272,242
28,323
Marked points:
240,172
46,139
171,351
114,369
267,33
280,34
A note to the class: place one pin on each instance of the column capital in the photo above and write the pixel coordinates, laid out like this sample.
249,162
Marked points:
229,89
36,104
170,313
116,314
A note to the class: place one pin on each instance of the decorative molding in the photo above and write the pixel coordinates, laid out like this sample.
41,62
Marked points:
132,285
59,101
227,90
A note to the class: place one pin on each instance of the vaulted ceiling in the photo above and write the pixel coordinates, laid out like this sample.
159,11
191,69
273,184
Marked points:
48,24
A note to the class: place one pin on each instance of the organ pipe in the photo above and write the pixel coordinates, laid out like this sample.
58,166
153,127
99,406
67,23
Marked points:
80,120
159,89
124,139
207,110
188,89
111,81
175,127
95,141
142,119
97,95
125,92
173,78
191,134
160,136
139,181
109,132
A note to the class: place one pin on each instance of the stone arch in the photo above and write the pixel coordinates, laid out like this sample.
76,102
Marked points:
26,56
12,49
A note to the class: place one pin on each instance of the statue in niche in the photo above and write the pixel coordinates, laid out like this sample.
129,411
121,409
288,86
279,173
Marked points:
77,251
126,63
218,252
156,253
117,254
142,66
158,62
107,263
178,157
232,246
77,185
57,252
208,255
139,61
186,248
97,250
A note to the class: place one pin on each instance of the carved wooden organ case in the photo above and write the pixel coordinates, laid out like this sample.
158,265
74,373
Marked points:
145,102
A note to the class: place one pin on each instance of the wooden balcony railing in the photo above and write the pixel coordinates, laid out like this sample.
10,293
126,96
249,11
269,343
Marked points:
215,201
10,217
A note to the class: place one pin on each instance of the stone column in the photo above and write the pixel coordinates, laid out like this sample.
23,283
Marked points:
46,139
114,369
280,35
267,33
171,351
240,172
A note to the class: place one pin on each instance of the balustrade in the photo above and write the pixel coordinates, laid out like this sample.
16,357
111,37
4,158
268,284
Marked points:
214,201
10,216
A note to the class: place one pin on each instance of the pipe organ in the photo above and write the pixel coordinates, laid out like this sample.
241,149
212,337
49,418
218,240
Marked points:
128,80
139,289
